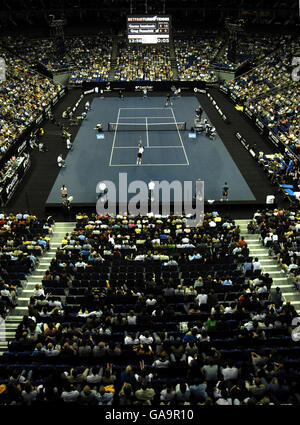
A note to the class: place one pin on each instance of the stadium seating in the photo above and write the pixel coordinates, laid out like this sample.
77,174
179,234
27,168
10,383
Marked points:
133,317
23,239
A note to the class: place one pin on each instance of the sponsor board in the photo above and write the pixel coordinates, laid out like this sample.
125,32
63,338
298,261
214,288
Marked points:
248,112
39,119
26,163
141,88
22,147
242,140
12,186
260,125
224,89
273,138
54,101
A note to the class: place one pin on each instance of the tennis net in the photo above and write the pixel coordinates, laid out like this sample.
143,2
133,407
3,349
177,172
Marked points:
160,126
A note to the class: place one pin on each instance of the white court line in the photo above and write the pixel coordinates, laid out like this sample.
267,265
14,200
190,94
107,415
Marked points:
147,165
164,108
114,140
134,118
148,147
179,135
147,133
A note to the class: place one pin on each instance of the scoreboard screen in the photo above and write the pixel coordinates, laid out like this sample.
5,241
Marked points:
148,29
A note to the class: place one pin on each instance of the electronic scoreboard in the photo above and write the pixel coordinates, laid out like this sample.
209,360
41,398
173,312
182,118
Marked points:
148,29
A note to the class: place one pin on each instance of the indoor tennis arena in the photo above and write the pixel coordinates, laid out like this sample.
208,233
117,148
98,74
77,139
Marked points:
120,121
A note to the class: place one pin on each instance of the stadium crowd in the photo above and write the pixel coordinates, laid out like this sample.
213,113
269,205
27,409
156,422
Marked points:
279,231
250,47
272,95
23,239
143,63
23,95
91,56
162,313
34,50
194,55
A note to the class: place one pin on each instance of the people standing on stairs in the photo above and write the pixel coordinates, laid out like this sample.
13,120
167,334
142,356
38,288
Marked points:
275,297
256,265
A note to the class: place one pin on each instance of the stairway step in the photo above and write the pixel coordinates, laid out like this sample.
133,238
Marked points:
36,276
267,260
60,232
287,287
13,318
63,223
271,271
250,245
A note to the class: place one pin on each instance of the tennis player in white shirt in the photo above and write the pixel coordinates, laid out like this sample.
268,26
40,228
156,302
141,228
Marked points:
140,154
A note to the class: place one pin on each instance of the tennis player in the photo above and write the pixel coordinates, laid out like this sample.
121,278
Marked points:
140,154
168,100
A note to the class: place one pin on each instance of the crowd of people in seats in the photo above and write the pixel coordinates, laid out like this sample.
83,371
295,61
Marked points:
23,96
91,56
33,50
282,114
251,47
138,63
280,232
194,56
281,169
271,93
23,239
148,311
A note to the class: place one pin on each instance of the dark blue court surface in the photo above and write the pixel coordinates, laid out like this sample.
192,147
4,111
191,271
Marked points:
169,155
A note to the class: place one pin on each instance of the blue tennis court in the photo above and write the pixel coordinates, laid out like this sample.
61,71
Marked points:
169,152
156,128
